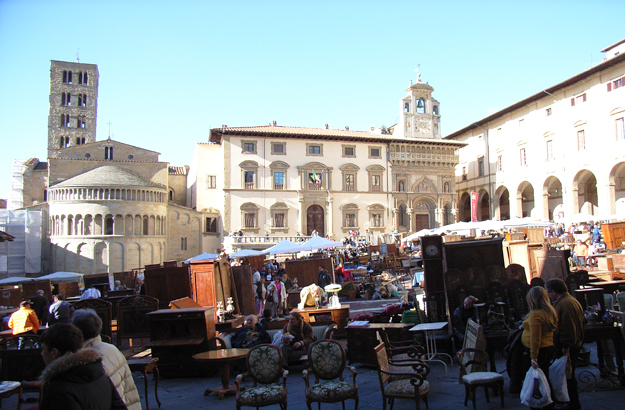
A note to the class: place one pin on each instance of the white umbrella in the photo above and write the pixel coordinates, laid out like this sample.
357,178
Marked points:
15,280
62,277
318,242
203,257
284,246
245,252
526,223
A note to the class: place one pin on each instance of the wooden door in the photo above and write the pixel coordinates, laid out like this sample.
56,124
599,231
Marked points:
422,221
315,220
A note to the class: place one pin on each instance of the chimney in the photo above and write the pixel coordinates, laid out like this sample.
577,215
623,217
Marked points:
372,128
274,124
224,126
326,126
346,128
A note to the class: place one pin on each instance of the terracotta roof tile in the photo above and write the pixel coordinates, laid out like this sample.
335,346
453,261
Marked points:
177,171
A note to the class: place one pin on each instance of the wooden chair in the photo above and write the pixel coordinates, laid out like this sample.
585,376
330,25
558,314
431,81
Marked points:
132,320
103,308
401,350
264,363
403,385
469,358
327,361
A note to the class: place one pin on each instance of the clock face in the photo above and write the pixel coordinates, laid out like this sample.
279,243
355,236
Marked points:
431,250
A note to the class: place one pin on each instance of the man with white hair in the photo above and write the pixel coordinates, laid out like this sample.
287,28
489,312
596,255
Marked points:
309,294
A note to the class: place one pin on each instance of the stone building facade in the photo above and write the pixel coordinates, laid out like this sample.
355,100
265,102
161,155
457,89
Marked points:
279,181
108,206
559,153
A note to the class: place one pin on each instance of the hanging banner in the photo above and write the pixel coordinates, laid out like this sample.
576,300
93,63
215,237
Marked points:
474,197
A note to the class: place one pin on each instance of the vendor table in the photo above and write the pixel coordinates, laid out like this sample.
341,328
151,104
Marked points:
599,332
430,341
8,389
609,286
223,358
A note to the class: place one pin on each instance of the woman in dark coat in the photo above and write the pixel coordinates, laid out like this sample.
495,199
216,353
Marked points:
74,378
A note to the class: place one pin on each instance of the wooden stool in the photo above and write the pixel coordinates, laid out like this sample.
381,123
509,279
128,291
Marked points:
146,365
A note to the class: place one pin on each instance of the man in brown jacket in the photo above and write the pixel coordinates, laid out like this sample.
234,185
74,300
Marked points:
569,334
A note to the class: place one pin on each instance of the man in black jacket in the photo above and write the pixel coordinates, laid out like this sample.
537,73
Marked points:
39,304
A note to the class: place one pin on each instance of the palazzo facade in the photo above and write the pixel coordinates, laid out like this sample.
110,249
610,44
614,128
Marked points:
558,154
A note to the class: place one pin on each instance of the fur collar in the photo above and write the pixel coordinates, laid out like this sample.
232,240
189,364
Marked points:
68,361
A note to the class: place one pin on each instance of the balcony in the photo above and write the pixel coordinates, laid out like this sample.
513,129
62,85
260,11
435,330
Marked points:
249,185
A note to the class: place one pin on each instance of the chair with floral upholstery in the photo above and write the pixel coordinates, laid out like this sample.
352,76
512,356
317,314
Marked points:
403,385
326,359
264,364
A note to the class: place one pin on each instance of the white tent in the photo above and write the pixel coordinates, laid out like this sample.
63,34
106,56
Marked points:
417,235
14,280
318,242
245,252
203,257
284,246
62,277
526,223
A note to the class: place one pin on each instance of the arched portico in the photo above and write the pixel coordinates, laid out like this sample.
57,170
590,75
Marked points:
552,197
585,199
525,199
502,204
464,208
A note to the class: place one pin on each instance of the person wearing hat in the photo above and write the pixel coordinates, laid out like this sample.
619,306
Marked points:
24,320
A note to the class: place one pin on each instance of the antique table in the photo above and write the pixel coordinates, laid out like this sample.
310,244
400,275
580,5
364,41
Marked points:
223,358
430,341
361,341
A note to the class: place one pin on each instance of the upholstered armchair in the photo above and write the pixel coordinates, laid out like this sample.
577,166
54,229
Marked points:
264,364
326,359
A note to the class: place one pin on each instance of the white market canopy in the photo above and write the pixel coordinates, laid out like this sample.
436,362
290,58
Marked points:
14,280
203,257
318,242
62,277
284,246
417,235
244,253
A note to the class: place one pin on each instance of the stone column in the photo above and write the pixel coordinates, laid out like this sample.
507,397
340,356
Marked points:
409,212
330,215
395,221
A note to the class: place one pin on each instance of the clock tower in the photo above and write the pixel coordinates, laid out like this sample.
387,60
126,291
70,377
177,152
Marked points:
419,113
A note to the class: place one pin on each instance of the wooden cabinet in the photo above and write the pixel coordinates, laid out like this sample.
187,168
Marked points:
307,270
338,315
613,234
167,284
246,293
361,341
176,335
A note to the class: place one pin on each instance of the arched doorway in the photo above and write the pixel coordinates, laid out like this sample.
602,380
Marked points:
484,212
504,203
587,200
525,199
315,220
552,193
617,189
465,208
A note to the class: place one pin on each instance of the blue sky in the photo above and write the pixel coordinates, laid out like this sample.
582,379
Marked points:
171,70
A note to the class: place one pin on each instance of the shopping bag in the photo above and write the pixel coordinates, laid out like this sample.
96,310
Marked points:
557,378
535,392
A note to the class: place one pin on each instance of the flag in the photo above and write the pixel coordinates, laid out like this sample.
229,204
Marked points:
313,177
319,178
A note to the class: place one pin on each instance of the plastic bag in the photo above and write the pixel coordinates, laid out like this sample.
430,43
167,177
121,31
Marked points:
557,378
535,392
277,339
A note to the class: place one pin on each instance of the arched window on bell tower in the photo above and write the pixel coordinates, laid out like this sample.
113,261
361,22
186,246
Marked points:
420,106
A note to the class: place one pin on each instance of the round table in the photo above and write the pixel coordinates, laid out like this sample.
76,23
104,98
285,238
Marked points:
8,389
223,358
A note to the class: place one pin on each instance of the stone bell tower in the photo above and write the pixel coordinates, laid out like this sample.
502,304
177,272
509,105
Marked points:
419,113
73,105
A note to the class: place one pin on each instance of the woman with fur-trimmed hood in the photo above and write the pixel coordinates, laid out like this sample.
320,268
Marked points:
74,379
